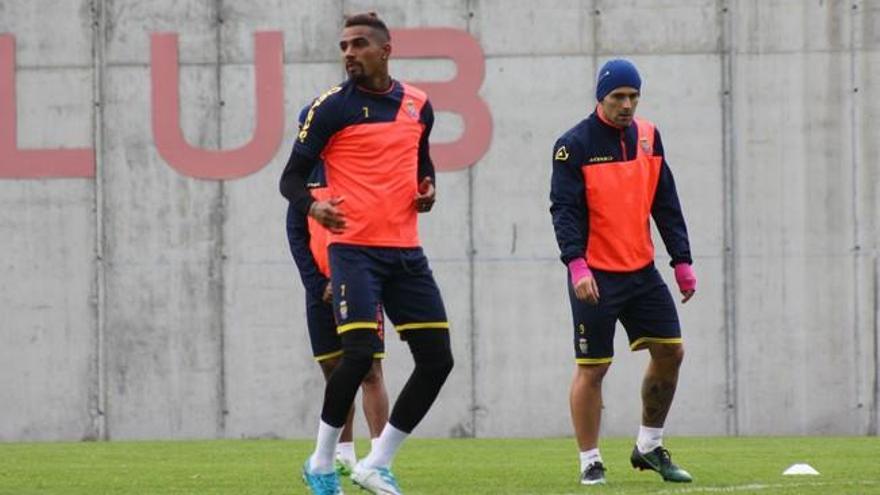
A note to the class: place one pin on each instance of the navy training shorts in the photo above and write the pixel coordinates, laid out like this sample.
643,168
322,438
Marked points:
640,300
398,279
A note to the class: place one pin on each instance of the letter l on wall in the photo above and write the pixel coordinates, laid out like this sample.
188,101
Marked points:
29,163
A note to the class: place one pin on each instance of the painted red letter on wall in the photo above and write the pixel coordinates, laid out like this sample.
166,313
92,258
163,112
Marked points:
460,95
218,164
31,164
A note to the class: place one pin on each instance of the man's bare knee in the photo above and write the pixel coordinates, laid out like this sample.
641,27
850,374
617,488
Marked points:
592,373
667,354
374,376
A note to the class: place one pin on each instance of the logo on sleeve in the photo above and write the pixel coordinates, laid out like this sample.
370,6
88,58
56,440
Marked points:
561,154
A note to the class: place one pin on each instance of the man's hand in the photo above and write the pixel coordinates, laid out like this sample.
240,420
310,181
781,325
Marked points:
425,198
586,289
686,280
585,286
328,215
328,293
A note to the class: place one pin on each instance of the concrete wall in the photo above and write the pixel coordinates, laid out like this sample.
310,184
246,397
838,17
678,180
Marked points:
141,303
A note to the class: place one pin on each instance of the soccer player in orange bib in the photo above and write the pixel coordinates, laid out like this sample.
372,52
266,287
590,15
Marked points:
609,177
372,134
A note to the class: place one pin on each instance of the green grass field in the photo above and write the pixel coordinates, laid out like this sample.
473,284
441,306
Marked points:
521,466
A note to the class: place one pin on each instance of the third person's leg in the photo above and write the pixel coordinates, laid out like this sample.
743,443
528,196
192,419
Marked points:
375,397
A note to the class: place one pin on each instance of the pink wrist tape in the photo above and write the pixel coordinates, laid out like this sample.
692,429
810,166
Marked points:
685,277
578,269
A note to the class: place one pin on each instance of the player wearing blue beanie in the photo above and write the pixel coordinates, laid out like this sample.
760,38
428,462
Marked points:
610,178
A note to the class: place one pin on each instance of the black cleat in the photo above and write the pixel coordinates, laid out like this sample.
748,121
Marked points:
659,460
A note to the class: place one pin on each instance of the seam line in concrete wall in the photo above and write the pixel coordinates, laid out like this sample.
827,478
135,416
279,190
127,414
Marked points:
728,161
20,68
99,399
875,403
488,57
594,24
472,296
855,198
219,289
472,314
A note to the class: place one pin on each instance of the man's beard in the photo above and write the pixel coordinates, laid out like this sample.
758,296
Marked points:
356,74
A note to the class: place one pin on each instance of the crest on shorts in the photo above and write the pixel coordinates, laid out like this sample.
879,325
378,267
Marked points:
411,109
343,310
582,345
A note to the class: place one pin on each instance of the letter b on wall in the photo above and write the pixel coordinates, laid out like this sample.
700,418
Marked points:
460,95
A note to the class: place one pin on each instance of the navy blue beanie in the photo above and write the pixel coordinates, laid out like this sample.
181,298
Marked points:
615,74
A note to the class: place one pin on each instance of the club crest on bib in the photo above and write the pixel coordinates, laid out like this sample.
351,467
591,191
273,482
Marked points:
411,109
646,146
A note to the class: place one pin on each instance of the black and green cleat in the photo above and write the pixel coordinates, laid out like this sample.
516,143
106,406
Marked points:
659,460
